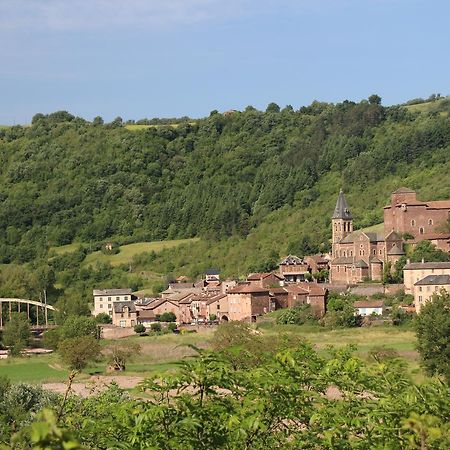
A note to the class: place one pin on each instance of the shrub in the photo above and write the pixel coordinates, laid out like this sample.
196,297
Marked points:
172,326
139,328
168,317
298,315
156,327
103,318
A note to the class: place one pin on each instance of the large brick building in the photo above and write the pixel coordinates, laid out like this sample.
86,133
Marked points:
359,255
423,220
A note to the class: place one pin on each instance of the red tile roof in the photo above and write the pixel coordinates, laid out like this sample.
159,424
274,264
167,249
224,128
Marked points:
246,289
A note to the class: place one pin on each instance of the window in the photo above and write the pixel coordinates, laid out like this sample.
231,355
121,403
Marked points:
374,252
430,221
109,299
420,298
380,252
413,222
117,299
109,306
421,230
420,288
100,299
125,298
101,305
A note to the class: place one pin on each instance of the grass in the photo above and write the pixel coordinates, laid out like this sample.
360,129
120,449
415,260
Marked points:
162,353
427,107
69,248
33,369
128,251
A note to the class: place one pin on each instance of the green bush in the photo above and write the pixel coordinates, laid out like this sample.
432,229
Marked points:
103,318
171,326
168,317
297,315
156,327
139,328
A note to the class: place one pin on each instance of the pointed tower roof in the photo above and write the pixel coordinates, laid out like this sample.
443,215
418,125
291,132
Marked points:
341,211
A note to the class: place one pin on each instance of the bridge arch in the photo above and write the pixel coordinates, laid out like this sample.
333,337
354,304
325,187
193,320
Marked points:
29,303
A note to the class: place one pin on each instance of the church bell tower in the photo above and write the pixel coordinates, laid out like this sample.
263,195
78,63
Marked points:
342,220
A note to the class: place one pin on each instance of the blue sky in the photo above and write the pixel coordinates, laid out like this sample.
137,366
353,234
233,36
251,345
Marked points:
154,58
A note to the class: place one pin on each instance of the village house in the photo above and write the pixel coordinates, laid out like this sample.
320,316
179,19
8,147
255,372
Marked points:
279,297
178,288
316,298
316,263
213,306
264,280
425,288
297,295
158,307
414,272
369,307
105,298
293,269
212,275
246,302
124,314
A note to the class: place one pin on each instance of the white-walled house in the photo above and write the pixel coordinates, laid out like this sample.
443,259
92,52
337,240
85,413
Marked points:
104,299
369,307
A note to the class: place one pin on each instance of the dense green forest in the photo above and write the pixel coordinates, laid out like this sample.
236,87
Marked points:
252,185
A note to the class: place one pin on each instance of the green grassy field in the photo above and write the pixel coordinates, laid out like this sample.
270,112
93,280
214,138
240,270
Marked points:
161,353
128,251
33,369
428,106
69,248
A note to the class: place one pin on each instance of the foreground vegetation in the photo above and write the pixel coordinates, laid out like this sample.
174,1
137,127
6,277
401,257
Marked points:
252,393
250,388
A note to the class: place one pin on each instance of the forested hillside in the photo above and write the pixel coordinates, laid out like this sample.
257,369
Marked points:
252,185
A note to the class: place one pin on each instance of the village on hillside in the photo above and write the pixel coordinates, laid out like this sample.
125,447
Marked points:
356,263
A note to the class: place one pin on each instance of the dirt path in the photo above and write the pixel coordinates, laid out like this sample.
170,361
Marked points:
95,384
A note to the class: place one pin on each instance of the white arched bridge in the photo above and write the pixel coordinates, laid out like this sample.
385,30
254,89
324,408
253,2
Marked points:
25,305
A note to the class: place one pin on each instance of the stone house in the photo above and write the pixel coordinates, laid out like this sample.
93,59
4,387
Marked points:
213,306
293,269
279,297
124,314
246,302
316,263
413,272
297,295
265,280
162,306
425,288
105,298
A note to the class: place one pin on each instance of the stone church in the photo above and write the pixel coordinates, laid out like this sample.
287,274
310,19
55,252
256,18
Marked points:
360,255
